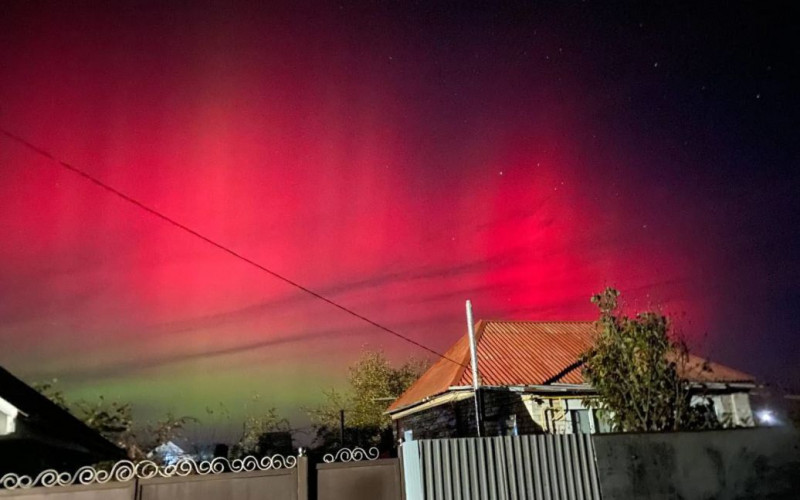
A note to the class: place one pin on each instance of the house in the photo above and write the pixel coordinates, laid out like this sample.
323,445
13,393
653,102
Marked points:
531,382
37,434
167,453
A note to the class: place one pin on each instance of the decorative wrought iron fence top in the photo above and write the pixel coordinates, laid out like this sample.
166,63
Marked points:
351,455
126,470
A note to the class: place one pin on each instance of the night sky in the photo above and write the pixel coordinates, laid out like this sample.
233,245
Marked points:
398,158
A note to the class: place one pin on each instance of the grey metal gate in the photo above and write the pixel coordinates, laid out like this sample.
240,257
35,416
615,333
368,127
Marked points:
506,468
369,480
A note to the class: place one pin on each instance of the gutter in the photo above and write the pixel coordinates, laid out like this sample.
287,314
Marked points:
430,402
427,399
551,389
722,385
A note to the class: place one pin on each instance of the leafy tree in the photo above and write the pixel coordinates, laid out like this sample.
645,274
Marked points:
263,434
49,390
168,429
114,421
635,365
207,442
372,385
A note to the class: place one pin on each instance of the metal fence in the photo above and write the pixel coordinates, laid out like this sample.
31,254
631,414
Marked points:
754,463
262,485
503,468
370,480
268,478
348,474
113,491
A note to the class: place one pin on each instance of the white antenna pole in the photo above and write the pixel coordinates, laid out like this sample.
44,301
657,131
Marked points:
473,352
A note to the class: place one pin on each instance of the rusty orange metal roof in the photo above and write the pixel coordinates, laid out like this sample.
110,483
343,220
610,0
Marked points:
520,353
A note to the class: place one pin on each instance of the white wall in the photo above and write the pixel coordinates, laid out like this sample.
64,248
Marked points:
743,414
8,417
731,409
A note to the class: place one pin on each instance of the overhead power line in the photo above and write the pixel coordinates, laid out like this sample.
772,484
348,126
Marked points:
213,243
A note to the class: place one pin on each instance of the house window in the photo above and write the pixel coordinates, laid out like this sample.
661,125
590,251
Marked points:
589,421
581,421
601,421
508,426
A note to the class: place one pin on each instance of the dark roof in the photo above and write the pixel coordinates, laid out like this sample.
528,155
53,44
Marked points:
48,419
520,353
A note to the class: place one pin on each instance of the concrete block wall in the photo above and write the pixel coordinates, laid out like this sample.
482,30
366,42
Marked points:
727,464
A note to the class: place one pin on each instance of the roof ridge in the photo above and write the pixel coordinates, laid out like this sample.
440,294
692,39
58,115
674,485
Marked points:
29,400
538,321
479,328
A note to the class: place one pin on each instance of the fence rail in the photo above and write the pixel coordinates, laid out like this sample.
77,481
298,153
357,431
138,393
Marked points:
351,455
126,470
347,474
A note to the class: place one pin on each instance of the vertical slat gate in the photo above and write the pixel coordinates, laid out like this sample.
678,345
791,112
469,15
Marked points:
540,467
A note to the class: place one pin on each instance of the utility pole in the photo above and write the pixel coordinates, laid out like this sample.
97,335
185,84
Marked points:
473,352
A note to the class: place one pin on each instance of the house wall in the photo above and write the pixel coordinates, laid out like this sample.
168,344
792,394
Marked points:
549,414
446,420
504,411
743,413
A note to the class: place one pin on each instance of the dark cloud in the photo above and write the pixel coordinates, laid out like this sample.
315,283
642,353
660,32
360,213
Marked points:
451,272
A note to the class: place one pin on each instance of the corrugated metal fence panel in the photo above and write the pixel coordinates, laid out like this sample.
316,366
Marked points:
546,467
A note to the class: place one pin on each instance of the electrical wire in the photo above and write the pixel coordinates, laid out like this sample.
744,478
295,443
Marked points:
213,243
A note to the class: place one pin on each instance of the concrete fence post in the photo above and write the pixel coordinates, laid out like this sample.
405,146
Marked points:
412,470
302,478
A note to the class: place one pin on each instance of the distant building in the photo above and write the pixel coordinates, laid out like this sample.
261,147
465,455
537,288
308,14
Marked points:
36,434
167,453
531,382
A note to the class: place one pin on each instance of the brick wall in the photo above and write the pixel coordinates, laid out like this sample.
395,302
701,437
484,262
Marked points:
457,419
